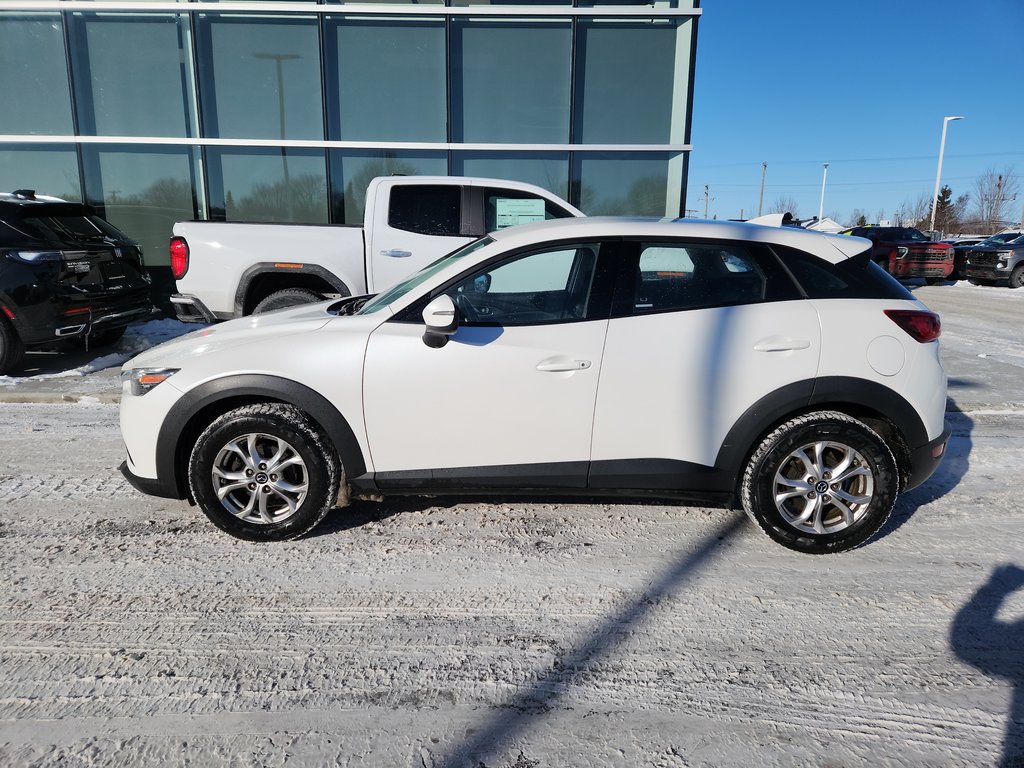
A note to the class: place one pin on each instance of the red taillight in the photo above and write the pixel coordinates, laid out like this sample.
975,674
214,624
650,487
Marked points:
179,257
923,326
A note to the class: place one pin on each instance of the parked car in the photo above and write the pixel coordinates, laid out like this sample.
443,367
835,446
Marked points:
770,368
996,262
230,269
65,273
963,245
907,252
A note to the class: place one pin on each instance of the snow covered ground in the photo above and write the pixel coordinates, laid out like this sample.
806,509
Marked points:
514,633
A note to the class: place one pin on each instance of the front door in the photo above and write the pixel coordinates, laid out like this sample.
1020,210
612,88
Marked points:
510,396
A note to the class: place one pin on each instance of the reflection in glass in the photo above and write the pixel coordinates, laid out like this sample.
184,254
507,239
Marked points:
50,170
142,191
34,76
549,170
510,80
631,81
260,77
623,184
129,80
257,184
353,170
387,80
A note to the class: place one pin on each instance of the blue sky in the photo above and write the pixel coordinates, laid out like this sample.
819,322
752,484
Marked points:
861,85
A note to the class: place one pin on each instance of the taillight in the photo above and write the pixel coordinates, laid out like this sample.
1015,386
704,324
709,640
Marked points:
923,326
179,257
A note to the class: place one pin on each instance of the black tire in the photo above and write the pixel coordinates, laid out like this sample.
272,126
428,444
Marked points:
1017,277
12,351
289,297
872,477
935,280
258,509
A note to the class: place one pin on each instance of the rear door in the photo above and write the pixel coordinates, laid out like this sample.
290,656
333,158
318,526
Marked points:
699,333
415,225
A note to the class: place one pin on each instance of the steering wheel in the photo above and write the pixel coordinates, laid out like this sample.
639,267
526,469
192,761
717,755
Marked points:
466,308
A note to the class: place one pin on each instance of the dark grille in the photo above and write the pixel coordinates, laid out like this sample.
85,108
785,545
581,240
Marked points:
983,259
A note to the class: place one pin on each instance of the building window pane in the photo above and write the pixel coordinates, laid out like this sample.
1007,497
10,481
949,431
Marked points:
353,170
632,79
260,79
34,76
549,170
51,170
130,79
652,3
267,185
142,191
624,184
510,81
387,80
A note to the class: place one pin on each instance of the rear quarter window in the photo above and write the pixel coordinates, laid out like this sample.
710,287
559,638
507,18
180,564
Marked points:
853,278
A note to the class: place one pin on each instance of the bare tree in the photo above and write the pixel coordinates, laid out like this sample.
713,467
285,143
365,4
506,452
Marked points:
993,192
858,218
783,204
914,213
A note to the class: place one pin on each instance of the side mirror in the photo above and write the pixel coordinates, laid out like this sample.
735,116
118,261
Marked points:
441,321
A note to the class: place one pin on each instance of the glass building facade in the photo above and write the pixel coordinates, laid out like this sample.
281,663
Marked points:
155,112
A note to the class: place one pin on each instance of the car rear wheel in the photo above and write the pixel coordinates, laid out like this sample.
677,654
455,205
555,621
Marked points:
289,297
821,483
12,351
264,472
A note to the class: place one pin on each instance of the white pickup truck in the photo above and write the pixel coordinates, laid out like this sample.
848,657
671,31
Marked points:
225,270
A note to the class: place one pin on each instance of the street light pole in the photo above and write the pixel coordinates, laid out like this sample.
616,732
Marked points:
279,59
821,205
938,173
760,198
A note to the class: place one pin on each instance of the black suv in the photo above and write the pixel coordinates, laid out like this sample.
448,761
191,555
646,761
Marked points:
65,273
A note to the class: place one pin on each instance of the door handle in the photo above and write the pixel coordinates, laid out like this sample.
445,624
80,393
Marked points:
563,365
781,344
397,254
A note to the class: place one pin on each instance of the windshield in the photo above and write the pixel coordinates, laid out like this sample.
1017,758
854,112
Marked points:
396,292
1005,237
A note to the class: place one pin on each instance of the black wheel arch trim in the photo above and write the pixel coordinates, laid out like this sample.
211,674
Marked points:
178,426
839,392
262,268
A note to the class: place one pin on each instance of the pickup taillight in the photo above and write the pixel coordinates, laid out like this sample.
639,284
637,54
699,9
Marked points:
921,325
179,257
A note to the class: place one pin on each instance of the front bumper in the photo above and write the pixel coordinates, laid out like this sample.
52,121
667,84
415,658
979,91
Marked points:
926,459
150,486
986,273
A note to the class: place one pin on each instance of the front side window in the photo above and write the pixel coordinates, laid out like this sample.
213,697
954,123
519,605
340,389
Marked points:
426,209
550,286
672,277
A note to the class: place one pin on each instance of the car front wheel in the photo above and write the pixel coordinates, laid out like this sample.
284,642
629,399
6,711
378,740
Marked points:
821,483
264,472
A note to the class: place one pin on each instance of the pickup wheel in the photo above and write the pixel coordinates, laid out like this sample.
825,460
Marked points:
264,472
288,297
935,280
1017,277
12,351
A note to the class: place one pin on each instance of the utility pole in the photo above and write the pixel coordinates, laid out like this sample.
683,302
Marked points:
821,206
706,199
760,199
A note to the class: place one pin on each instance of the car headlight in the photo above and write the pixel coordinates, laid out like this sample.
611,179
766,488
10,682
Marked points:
142,380
901,251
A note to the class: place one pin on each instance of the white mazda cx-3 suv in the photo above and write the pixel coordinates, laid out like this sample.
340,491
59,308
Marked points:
730,364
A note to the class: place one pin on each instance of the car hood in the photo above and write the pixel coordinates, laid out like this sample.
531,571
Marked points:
234,333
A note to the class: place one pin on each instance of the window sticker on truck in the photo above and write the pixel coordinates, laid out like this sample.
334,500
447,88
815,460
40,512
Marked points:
513,211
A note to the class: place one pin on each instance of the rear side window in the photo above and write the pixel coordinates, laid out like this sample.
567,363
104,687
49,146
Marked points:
508,207
676,276
853,278
426,209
